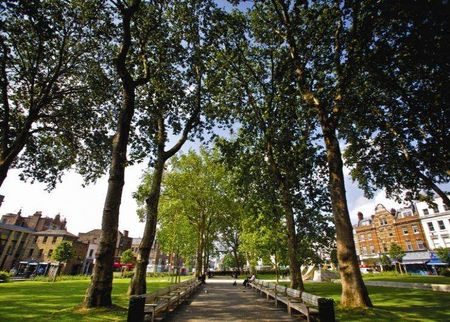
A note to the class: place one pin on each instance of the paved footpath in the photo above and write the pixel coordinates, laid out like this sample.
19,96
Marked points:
219,300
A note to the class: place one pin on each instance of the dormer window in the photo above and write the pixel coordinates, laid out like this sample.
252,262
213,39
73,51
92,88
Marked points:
426,212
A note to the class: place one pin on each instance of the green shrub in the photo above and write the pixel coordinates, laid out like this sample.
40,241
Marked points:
43,278
444,272
4,276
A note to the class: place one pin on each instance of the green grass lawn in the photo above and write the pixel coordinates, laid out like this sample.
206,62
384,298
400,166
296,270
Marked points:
47,301
395,277
390,304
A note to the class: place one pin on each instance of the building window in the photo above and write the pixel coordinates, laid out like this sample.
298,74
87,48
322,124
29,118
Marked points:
426,212
415,229
91,252
391,233
54,239
364,251
369,236
420,244
405,230
372,249
385,248
409,245
441,224
383,222
430,226
361,237
30,253
35,239
445,208
41,251
45,239
50,252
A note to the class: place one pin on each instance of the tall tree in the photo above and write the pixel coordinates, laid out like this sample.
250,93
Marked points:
52,89
319,38
258,87
400,142
99,292
175,102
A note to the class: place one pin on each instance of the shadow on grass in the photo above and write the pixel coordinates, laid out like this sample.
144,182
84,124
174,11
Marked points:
390,304
60,301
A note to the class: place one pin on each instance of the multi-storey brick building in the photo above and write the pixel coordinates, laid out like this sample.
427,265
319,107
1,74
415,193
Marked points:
17,235
92,238
375,235
45,243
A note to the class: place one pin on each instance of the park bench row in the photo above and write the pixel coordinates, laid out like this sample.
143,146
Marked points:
311,306
148,306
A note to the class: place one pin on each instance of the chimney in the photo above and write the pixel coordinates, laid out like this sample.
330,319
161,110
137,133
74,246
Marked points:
393,212
373,217
125,233
360,216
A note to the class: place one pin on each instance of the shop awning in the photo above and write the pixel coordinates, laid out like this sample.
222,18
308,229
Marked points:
435,260
414,258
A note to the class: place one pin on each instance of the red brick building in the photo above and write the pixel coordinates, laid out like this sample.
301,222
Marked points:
374,235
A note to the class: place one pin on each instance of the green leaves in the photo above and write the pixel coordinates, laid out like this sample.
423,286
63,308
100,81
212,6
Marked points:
63,252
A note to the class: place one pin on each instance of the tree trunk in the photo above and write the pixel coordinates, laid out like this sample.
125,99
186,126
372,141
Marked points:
277,273
99,291
3,172
286,202
294,265
354,291
200,246
138,284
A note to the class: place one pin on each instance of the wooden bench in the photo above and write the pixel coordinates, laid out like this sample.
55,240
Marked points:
160,301
311,306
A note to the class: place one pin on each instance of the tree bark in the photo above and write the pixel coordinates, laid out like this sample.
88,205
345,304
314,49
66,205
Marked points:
99,292
200,247
286,202
138,283
354,291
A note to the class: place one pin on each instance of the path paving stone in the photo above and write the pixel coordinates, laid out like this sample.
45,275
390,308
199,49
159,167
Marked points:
219,300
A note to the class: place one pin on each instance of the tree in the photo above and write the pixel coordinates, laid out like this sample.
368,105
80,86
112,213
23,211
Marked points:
175,234
443,254
63,253
127,257
396,253
319,40
396,143
260,92
99,292
194,189
385,261
175,101
54,106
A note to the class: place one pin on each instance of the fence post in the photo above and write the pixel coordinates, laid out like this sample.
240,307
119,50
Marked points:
136,309
326,310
